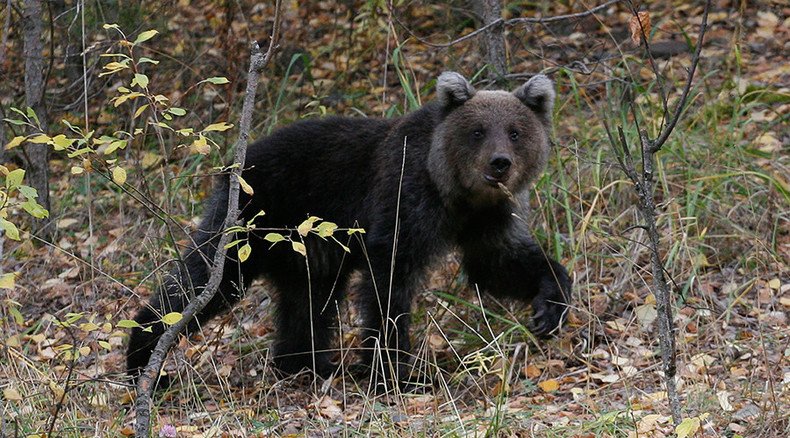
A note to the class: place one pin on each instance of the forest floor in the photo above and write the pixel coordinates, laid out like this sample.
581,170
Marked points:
723,193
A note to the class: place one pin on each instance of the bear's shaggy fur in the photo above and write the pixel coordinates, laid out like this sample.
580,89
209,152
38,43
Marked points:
445,177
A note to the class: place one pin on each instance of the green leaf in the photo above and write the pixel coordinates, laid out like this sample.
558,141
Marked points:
234,243
14,178
219,80
221,126
15,122
345,248
7,280
110,26
274,237
244,252
326,229
300,248
176,111
104,344
356,231
115,145
32,115
10,229
27,191
35,209
18,318
687,427
60,142
143,59
140,79
145,36
172,318
128,323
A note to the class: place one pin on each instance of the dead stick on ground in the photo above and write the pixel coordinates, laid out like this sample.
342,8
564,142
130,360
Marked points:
145,385
644,185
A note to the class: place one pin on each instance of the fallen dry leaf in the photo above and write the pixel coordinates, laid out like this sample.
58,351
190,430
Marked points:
636,30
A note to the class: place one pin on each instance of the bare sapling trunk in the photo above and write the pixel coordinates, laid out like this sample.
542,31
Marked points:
644,185
147,379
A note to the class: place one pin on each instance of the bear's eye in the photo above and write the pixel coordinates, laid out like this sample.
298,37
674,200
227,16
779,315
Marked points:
478,133
514,135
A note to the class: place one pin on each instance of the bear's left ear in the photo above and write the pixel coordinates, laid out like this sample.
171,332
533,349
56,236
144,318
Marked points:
538,95
452,89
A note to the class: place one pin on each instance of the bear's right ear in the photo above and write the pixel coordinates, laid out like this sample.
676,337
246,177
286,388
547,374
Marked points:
538,95
452,89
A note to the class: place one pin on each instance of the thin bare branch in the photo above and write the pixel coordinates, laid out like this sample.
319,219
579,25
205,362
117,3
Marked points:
510,22
556,18
662,138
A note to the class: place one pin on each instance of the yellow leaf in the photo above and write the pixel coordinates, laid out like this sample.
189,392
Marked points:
11,394
88,326
687,427
775,284
300,248
16,141
244,252
200,146
221,126
550,385
245,187
172,318
119,175
7,280
307,225
139,111
40,139
77,170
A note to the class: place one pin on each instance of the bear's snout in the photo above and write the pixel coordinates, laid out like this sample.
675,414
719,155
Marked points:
498,168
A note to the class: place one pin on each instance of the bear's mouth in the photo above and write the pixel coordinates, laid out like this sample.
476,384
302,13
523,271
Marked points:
494,181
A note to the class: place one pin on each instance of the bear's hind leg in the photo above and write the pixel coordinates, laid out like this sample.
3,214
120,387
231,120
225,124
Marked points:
305,323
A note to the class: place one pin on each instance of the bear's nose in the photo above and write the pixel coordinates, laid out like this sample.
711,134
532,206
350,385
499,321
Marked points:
500,164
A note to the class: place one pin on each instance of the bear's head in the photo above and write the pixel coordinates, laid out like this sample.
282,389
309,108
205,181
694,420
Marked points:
489,140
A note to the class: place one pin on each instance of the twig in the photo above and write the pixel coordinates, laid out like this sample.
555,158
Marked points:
510,22
554,19
644,186
146,383
662,138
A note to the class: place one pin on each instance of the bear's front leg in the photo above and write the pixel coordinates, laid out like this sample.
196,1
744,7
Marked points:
514,266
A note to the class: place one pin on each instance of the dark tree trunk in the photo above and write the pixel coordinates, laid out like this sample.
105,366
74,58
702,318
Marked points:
493,40
37,155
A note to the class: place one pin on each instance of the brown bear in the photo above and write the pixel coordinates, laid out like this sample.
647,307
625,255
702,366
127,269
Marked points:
448,176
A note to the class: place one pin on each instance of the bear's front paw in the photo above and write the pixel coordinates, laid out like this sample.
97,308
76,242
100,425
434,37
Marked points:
549,307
